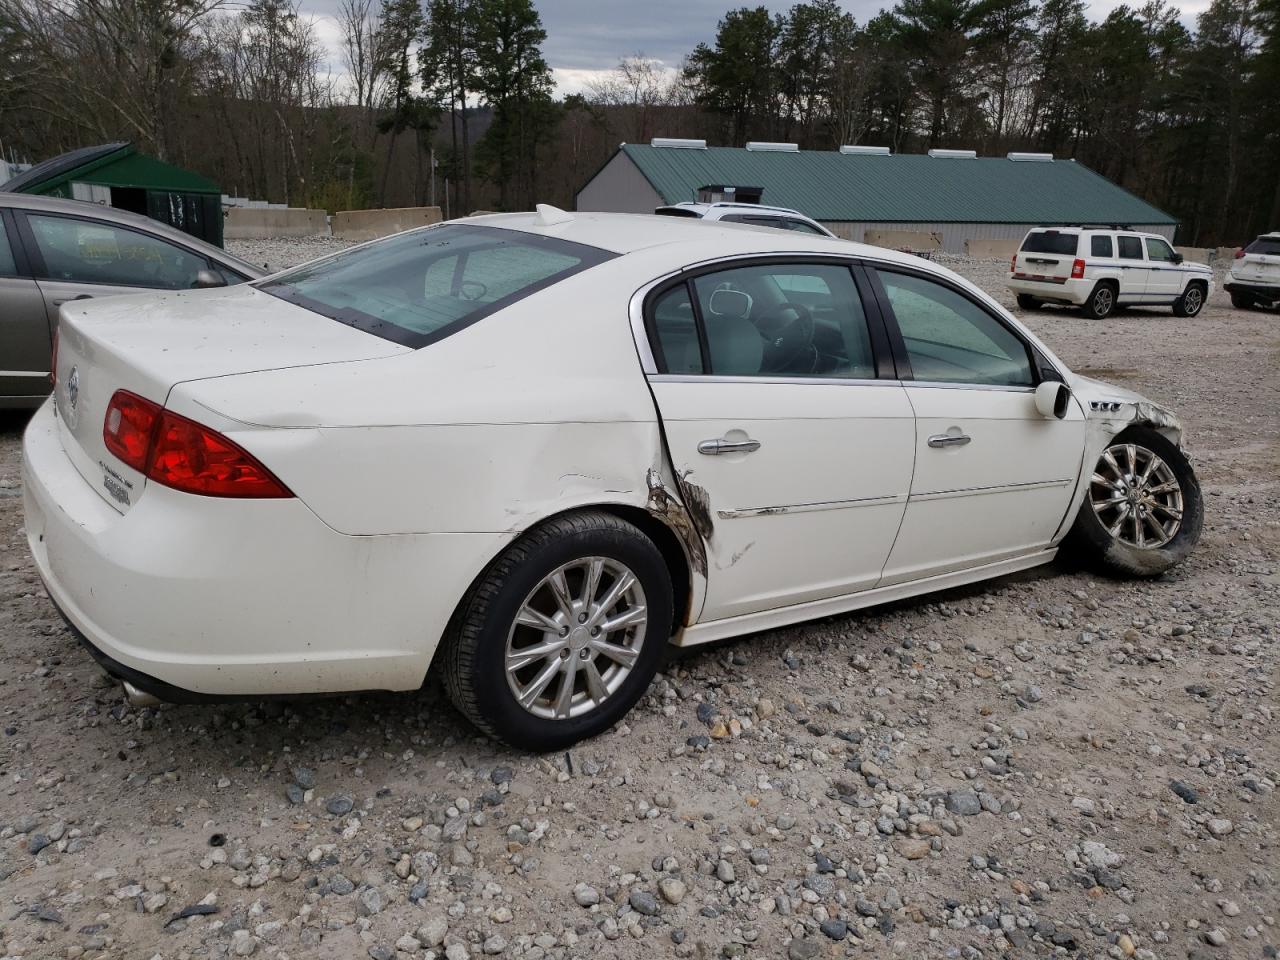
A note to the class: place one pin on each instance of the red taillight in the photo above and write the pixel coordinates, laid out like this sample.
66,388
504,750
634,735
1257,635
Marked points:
180,453
53,362
1240,253
1013,264
1077,270
129,427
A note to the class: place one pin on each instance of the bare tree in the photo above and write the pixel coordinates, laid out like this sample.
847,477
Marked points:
637,88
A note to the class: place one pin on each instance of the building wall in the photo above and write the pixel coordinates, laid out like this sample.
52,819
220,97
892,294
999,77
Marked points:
619,187
955,234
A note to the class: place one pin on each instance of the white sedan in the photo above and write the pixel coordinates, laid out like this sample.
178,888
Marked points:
534,449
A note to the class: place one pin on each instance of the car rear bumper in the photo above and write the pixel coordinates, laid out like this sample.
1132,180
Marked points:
198,597
1258,288
1074,292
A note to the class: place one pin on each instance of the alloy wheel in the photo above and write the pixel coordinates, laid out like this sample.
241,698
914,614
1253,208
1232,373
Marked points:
1136,496
1192,301
576,638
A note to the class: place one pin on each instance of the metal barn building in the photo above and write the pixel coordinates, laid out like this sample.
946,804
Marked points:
117,175
951,193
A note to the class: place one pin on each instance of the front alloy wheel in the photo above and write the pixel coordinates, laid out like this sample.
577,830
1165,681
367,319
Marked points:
1143,510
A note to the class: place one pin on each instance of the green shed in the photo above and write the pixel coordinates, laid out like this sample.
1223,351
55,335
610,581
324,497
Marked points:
117,175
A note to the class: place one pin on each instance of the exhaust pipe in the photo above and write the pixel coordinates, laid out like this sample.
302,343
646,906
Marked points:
139,698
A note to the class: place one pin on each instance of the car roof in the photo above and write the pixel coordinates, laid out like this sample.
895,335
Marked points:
629,232
1093,228
98,211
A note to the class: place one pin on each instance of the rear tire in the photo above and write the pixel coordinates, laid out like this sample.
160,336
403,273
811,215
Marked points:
1101,302
1108,532
1028,302
1242,301
529,658
1191,302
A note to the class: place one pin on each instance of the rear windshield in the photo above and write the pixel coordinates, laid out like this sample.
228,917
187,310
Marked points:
1266,246
1051,241
416,288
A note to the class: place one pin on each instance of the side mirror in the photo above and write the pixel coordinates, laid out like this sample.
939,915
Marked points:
1052,398
208,278
1178,258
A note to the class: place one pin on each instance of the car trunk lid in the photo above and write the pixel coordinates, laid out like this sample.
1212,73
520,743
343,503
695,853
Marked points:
148,344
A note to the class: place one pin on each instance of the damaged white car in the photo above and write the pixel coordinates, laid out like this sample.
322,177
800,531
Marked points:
534,449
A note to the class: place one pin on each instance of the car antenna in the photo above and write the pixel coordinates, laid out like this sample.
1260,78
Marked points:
549,216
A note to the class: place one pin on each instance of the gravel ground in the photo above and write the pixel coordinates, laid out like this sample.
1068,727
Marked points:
1049,764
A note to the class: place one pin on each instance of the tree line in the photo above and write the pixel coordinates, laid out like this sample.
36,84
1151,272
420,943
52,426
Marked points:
453,101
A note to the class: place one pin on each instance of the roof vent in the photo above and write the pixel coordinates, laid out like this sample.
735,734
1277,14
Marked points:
954,154
1031,157
764,147
675,143
865,151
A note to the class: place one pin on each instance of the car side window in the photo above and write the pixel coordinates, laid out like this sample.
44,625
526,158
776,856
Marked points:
950,339
1130,248
1158,249
774,320
83,251
8,267
1100,246
799,226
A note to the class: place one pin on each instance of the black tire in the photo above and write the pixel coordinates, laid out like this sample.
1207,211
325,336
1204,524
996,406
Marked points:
1242,301
1191,302
1101,302
475,649
1091,542
1028,302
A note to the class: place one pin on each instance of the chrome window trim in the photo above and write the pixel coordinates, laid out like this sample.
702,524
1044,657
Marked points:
728,378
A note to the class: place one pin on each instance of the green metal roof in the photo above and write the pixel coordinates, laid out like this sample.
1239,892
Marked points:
112,165
828,185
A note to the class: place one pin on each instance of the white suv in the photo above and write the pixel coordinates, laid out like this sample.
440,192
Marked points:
1101,268
756,214
1255,274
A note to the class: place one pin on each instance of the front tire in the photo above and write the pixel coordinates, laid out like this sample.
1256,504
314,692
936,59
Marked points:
1143,511
1191,302
562,634
1101,302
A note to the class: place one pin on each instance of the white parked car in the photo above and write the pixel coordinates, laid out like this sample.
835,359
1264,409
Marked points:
534,449
1101,269
1254,280
752,214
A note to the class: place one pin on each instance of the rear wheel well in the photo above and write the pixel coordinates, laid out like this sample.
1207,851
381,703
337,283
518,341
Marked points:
672,552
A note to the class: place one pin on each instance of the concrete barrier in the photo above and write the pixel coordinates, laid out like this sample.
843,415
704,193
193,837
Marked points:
903,239
261,223
361,225
991,249
1197,254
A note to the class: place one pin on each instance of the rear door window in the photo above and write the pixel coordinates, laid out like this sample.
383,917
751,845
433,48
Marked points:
418,287
1051,241
1100,246
1130,248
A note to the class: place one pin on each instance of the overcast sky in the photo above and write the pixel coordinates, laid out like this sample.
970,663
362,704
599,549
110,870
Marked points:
585,37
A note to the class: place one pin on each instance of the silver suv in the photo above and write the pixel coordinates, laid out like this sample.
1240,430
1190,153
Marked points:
54,250
755,214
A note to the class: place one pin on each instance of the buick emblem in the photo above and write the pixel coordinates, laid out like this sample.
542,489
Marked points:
73,396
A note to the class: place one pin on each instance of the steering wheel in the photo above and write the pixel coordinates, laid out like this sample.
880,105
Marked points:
788,335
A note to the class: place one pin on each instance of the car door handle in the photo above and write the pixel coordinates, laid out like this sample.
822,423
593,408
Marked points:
714,448
949,440
83,296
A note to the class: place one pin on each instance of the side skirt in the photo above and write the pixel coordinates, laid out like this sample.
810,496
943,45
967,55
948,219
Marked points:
713,630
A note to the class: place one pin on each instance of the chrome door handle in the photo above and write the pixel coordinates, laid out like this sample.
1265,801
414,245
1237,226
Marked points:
713,448
948,440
